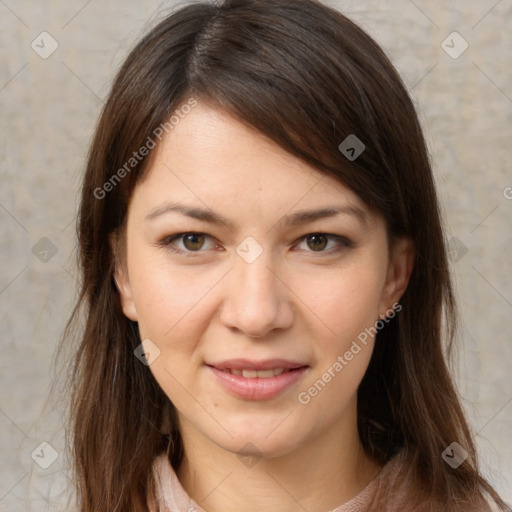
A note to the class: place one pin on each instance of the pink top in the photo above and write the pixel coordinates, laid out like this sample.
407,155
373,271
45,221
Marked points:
171,497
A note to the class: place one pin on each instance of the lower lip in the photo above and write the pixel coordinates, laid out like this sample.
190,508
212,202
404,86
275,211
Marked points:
257,388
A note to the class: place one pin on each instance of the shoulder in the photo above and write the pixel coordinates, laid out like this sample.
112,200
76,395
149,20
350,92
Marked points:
397,489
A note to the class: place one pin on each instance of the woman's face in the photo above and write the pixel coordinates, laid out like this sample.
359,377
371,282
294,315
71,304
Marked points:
240,259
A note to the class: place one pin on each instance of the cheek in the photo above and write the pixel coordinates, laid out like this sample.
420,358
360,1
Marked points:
346,303
348,307
173,312
169,301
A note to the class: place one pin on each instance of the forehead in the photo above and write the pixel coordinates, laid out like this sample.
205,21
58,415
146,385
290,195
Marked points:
210,159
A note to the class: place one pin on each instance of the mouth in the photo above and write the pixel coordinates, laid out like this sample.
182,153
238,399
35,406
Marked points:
257,369
252,374
257,380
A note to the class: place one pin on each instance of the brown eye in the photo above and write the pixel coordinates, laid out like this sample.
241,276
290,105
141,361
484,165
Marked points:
189,244
317,242
324,244
193,241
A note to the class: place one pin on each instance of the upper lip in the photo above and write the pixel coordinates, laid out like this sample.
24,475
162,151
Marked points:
246,364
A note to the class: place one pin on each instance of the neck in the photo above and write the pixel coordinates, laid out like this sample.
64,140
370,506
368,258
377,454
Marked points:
316,476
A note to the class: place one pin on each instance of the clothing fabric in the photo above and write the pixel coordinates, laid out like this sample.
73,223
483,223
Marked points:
389,491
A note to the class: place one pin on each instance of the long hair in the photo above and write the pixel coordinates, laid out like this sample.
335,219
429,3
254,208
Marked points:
307,77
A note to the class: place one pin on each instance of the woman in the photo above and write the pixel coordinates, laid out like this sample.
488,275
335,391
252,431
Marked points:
265,279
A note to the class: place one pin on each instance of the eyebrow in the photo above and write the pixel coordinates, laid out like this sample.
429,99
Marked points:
293,219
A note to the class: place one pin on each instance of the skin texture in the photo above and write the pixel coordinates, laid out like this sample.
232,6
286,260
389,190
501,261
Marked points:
296,301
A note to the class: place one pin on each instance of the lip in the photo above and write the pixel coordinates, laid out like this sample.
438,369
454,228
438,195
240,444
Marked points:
267,364
257,388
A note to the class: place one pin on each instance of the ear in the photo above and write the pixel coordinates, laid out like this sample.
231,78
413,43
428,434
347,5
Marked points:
122,281
401,263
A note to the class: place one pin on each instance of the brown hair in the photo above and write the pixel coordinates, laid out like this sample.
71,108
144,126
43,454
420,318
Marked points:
307,77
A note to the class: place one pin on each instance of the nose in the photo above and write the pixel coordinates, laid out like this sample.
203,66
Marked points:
257,301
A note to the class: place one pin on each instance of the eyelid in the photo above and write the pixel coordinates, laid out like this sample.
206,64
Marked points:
343,243
168,242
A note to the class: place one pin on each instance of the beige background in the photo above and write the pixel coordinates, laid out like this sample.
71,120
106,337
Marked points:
48,111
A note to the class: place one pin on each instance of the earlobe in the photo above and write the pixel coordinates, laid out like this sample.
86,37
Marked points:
123,283
125,293
400,268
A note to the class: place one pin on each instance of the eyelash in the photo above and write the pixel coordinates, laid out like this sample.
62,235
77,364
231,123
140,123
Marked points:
167,242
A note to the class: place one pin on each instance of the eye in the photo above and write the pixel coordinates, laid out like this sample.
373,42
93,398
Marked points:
323,242
192,243
189,242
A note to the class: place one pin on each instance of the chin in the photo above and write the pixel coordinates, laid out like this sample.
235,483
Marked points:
260,438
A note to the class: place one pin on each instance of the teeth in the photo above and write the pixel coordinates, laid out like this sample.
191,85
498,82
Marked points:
262,374
252,374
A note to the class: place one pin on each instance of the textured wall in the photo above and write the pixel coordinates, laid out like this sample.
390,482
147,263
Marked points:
48,110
